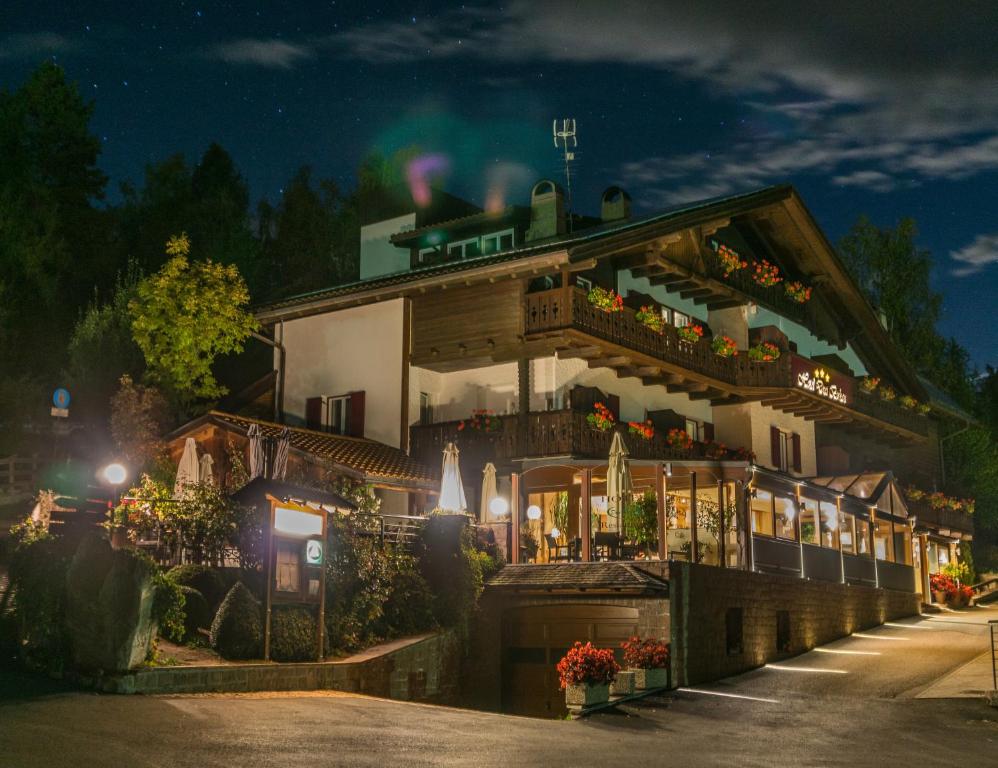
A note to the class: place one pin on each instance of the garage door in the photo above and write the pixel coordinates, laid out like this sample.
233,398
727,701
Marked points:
537,637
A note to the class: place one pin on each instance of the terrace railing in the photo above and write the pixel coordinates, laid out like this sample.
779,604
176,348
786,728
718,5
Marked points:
946,519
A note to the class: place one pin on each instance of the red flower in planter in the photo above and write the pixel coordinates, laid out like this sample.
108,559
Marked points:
645,654
584,664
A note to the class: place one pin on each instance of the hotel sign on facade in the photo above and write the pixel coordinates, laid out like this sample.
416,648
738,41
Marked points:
822,381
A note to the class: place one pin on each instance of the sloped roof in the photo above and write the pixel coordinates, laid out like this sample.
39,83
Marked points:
942,401
373,461
583,577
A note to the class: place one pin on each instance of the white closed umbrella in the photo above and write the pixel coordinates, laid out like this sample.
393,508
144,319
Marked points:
281,455
489,491
188,469
206,472
451,489
618,477
256,459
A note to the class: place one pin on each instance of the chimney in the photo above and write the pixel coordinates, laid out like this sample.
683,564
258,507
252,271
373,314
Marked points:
547,211
616,205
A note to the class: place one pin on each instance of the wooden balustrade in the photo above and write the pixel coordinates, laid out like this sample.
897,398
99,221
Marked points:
945,519
890,412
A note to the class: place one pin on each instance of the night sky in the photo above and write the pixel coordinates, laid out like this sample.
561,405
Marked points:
888,109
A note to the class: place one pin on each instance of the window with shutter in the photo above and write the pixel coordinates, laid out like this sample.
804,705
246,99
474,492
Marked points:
313,412
795,440
356,422
708,431
775,440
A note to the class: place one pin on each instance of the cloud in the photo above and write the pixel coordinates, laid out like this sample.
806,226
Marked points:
274,54
975,256
873,180
34,44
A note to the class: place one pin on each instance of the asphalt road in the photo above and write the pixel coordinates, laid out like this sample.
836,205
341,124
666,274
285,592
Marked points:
822,708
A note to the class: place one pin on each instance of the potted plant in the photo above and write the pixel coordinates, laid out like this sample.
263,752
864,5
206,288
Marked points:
869,384
730,261
601,419
482,420
887,393
724,346
764,352
691,333
623,684
679,439
650,317
644,430
585,674
941,586
649,660
907,402
765,274
606,300
923,409
798,292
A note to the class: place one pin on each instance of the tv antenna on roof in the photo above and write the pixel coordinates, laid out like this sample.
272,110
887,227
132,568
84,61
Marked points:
564,139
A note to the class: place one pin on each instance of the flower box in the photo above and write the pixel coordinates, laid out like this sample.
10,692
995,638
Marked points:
646,679
586,694
691,333
623,685
606,300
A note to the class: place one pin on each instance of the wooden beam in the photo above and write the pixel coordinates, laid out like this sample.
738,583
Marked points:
584,353
609,362
723,304
697,292
663,380
711,393
688,386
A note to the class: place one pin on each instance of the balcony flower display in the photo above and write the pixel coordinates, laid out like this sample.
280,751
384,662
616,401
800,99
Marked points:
724,346
649,659
869,384
908,402
606,300
645,430
679,439
765,274
730,261
714,450
948,590
923,408
691,333
585,674
743,454
764,352
940,500
601,419
481,420
887,393
798,292
650,317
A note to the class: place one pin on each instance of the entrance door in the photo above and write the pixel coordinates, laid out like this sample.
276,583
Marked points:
535,638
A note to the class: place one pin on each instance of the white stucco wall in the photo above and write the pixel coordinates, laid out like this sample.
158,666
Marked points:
377,255
345,351
808,345
747,426
456,394
627,282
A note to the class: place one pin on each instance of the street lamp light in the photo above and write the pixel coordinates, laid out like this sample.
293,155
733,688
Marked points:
498,506
115,474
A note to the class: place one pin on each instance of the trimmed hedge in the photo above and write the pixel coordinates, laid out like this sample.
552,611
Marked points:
292,635
208,581
237,630
197,613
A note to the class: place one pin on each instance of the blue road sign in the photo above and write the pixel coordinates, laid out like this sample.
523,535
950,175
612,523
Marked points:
60,398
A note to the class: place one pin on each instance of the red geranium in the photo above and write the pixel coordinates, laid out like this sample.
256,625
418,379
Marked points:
645,654
645,430
584,664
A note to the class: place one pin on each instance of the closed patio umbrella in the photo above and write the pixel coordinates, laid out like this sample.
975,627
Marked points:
281,455
206,473
618,478
489,491
451,489
256,458
188,469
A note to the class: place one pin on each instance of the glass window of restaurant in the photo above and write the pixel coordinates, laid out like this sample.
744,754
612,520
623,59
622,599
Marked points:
862,536
883,539
902,543
809,521
786,514
762,512
829,516
847,533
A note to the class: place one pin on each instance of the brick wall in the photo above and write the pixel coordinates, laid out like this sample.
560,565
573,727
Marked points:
819,612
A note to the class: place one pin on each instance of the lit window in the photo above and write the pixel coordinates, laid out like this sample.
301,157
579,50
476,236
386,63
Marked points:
829,524
693,429
680,320
584,283
337,413
786,512
847,533
809,521
666,315
862,536
762,512
287,566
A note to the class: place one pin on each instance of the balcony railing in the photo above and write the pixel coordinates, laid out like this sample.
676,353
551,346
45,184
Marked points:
549,433
773,296
941,519
890,412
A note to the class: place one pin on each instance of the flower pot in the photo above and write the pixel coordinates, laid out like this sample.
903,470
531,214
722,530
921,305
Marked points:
644,679
587,695
938,596
623,685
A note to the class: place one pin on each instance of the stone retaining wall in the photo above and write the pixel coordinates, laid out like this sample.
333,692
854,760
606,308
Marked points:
425,669
817,612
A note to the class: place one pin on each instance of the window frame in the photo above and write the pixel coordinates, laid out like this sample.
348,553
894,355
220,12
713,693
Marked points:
772,513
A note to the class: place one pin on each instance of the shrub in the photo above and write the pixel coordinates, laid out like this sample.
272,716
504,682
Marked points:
37,581
197,613
168,607
645,654
206,580
586,665
409,607
292,635
237,630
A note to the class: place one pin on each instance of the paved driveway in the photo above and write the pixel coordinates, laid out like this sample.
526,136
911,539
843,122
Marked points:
850,709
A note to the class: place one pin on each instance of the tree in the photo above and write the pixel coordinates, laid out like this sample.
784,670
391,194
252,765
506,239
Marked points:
184,316
139,417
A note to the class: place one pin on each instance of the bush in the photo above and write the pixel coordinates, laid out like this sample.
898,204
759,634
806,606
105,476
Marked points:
645,654
206,580
197,613
292,635
409,607
587,665
237,630
168,608
37,578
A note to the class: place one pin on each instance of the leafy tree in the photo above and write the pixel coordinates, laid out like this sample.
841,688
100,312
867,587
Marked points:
187,314
139,416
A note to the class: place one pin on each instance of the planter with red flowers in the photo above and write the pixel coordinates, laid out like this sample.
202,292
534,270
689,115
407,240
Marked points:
481,420
651,318
798,292
691,333
644,430
724,346
730,260
585,674
765,274
601,419
606,300
679,439
764,352
649,660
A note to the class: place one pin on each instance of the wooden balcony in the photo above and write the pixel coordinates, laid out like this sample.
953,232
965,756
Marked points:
549,433
945,522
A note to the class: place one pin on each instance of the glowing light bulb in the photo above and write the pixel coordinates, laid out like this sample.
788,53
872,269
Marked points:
533,512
